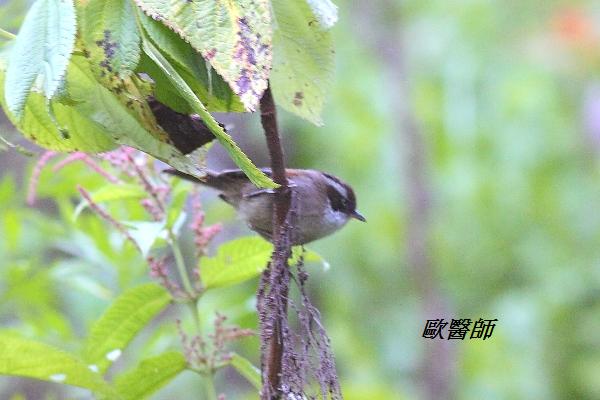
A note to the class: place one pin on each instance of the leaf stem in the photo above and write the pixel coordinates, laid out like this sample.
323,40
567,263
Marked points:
209,384
181,269
7,35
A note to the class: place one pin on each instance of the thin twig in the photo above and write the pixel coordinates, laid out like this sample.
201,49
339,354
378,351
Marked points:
7,35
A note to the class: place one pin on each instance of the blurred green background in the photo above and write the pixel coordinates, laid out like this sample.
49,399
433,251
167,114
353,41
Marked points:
471,132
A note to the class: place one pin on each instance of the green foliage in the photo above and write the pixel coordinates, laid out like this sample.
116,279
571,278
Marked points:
40,53
254,174
247,370
112,193
303,60
208,85
110,35
235,262
70,130
27,358
235,37
150,375
126,317
200,57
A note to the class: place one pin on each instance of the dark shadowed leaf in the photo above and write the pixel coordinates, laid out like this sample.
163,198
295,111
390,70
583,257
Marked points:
237,155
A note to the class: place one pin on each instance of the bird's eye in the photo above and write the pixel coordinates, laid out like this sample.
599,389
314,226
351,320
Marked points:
336,200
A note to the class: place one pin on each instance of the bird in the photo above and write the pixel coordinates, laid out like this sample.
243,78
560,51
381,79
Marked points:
323,203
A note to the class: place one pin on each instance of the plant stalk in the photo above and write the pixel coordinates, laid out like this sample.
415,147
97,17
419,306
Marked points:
272,360
7,35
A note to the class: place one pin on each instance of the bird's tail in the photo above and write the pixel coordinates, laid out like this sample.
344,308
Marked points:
210,179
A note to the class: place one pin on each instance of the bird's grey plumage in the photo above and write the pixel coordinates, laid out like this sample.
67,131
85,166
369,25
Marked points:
312,190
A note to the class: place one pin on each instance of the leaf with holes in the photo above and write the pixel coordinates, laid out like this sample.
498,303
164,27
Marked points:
303,60
235,262
234,36
41,52
30,359
110,35
125,318
150,375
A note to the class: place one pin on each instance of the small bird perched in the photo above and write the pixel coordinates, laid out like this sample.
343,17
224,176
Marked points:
323,204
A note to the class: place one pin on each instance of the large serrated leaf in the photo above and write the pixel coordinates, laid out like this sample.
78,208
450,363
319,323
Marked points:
234,36
125,318
237,155
303,62
150,375
78,133
235,262
111,36
41,52
209,86
27,358
124,122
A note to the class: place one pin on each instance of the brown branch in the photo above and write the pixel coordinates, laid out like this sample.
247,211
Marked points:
273,307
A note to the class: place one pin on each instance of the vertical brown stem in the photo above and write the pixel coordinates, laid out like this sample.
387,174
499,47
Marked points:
278,293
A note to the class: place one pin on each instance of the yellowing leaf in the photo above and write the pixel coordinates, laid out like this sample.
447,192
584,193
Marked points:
110,34
126,123
234,36
303,60
77,132
209,86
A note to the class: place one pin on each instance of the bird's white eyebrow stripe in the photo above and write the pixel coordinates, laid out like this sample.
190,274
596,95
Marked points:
337,186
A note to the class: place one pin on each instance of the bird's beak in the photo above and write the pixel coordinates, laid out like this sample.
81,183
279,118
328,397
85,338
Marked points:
356,215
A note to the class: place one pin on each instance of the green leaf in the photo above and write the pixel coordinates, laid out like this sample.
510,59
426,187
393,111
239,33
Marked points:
236,261
126,124
113,193
78,133
27,358
41,52
209,86
303,62
150,375
125,318
254,174
309,256
234,36
325,11
247,370
110,35
145,233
